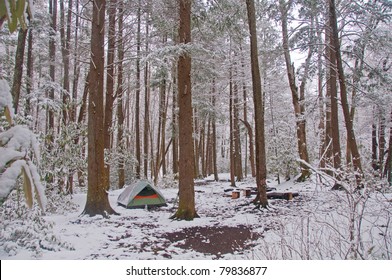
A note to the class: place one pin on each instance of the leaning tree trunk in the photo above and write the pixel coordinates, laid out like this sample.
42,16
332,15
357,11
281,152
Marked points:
261,168
97,197
186,208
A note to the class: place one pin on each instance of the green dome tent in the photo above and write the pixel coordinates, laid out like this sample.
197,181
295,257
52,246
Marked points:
141,194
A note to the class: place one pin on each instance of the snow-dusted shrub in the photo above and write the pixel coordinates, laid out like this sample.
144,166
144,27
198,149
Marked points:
64,157
18,148
24,229
346,223
169,181
114,157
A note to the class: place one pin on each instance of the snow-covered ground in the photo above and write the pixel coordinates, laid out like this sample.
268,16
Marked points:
317,224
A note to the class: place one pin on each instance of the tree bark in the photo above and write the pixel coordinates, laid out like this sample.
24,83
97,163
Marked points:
356,159
18,72
97,197
76,66
214,151
186,208
261,168
52,68
297,97
119,93
237,136
109,100
231,148
388,162
146,109
175,124
137,97
65,34
332,92
30,72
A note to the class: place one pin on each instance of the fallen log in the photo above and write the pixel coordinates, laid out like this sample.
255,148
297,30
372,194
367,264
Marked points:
282,195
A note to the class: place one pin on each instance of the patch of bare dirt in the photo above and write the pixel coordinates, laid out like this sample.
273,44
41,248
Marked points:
213,240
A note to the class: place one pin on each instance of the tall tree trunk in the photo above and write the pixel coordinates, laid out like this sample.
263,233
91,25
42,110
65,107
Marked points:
137,97
245,121
160,160
332,92
321,126
76,66
343,94
120,111
374,142
196,130
65,34
146,108
186,208
214,152
109,100
30,72
52,68
388,161
261,168
175,124
97,197
327,147
297,97
237,135
232,156
18,72
381,142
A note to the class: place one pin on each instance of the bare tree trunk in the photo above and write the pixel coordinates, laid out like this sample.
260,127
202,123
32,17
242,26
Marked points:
97,197
232,156
261,168
388,161
146,109
186,208
381,142
52,68
196,128
137,97
109,100
120,90
174,125
160,160
30,72
374,142
18,71
214,152
236,134
297,95
327,147
343,95
76,68
321,126
65,34
333,94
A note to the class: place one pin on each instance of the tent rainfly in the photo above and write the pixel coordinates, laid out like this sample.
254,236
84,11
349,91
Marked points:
140,195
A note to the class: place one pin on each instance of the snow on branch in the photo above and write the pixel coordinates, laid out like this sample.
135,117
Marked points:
18,145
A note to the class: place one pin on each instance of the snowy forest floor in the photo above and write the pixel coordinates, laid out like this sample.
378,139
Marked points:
317,224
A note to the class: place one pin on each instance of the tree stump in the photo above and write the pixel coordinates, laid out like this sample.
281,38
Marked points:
247,193
235,194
